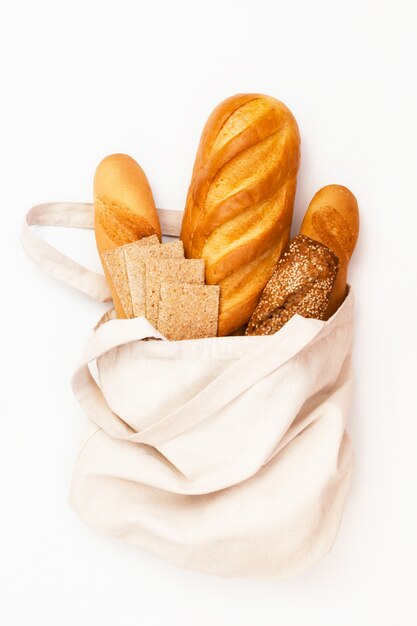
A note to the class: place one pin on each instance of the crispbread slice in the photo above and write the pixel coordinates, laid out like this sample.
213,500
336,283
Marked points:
188,311
115,261
165,271
136,258
116,266
152,240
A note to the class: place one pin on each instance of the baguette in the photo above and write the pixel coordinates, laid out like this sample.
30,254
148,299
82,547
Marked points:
124,210
240,201
332,219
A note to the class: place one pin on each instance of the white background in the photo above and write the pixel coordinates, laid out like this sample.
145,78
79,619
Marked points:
81,80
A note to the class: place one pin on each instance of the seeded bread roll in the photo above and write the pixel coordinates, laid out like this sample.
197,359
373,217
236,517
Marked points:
302,283
332,218
240,202
124,209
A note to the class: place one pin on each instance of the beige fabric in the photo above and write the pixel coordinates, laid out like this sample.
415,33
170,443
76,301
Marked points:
225,455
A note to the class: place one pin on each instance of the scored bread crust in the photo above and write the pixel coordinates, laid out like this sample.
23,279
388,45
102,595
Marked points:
240,201
332,219
124,209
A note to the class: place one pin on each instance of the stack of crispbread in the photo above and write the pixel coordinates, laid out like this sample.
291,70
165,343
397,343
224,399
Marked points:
156,281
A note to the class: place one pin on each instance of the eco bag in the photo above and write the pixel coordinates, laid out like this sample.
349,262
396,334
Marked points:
225,455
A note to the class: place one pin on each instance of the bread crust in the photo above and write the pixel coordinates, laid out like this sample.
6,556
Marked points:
240,201
332,218
301,284
124,209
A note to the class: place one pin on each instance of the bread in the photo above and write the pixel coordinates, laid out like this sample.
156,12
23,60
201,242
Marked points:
124,209
136,270
169,271
302,283
188,311
332,218
240,201
116,263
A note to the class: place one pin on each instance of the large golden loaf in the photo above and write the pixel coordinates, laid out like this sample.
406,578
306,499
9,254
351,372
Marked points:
240,202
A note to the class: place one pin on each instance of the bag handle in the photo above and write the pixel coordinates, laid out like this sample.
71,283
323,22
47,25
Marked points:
76,215
272,352
109,336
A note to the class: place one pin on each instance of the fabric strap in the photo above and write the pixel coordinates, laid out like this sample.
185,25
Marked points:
271,353
76,215
117,333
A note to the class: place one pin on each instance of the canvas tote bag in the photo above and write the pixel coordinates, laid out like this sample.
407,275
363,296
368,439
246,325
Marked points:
224,455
